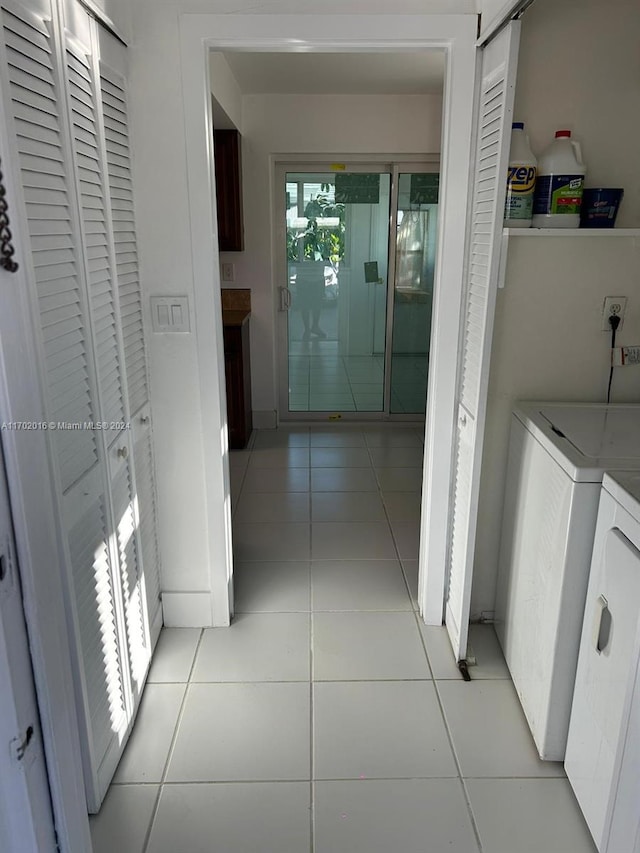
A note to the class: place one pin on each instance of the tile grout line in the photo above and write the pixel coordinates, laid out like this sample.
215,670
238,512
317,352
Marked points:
472,818
154,813
434,681
395,544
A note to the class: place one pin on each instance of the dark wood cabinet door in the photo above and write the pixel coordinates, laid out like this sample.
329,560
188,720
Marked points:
228,164
237,367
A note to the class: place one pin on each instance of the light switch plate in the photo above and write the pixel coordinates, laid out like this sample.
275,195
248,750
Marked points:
170,314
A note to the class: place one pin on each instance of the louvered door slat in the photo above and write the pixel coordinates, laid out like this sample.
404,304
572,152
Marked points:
133,587
36,122
89,176
113,95
97,619
146,494
490,170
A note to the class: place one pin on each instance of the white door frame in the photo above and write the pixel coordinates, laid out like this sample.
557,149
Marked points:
456,35
26,818
39,549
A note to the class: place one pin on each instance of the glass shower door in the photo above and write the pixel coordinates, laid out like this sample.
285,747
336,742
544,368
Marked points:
415,252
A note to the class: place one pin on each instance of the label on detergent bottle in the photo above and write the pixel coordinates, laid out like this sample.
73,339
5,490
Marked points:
558,194
521,181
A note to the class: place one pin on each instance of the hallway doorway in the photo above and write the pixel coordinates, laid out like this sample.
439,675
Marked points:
356,275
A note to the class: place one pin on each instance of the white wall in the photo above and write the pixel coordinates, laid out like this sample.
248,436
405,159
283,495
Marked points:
579,68
164,235
226,90
328,125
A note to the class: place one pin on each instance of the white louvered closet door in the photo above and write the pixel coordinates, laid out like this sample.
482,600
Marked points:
100,253
75,175
495,110
61,312
113,94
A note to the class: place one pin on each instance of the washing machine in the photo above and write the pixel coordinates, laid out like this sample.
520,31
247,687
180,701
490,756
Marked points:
603,747
558,453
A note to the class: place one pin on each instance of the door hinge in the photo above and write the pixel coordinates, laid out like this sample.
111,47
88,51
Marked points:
20,745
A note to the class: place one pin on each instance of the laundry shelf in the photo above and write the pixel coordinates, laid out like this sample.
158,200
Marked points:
538,233
570,232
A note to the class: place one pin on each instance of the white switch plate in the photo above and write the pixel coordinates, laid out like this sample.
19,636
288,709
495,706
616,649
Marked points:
228,272
170,314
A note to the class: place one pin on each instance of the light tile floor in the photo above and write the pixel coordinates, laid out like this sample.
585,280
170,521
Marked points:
329,718
322,379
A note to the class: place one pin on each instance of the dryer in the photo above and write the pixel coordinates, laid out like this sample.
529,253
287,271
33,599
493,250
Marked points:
603,748
557,457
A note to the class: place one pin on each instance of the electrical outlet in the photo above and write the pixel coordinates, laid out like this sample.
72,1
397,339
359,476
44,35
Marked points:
613,305
228,272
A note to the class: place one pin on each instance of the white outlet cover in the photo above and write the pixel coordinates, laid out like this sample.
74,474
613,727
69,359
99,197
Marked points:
170,314
607,307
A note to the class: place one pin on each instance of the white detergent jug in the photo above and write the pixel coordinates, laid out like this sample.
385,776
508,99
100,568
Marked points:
521,179
558,194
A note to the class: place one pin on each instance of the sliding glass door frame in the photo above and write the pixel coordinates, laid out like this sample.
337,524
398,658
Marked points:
431,165
392,166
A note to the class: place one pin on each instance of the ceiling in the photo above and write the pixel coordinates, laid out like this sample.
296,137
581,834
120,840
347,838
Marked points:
338,73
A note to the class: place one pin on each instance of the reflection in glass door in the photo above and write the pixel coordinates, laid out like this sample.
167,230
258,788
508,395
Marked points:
337,239
350,343
415,251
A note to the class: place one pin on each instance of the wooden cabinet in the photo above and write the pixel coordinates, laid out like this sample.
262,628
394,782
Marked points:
237,368
228,164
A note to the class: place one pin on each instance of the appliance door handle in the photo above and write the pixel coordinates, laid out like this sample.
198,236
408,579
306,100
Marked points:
602,625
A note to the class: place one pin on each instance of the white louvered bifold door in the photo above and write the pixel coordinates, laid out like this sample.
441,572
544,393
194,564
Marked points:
114,105
89,176
61,312
494,117
100,251
113,93
100,274
74,169
99,619
57,267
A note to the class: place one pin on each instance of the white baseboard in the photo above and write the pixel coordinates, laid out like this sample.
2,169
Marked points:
187,610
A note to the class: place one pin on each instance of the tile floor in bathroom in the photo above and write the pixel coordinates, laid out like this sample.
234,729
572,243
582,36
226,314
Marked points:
329,718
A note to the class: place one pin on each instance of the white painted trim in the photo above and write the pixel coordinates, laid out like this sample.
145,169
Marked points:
186,609
31,489
457,134
101,16
489,27
456,34
208,313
